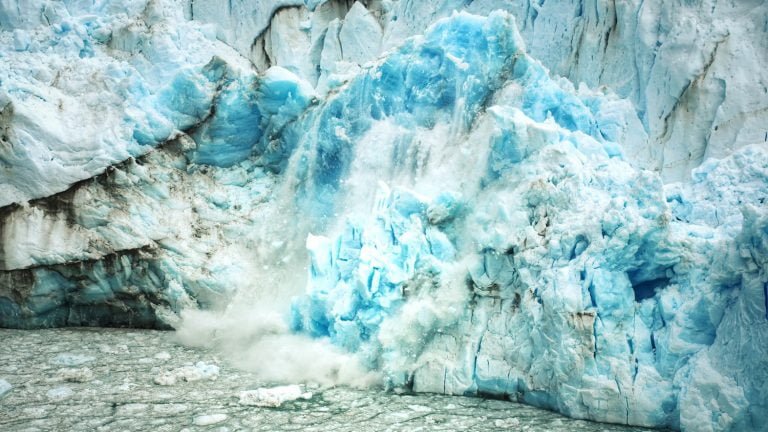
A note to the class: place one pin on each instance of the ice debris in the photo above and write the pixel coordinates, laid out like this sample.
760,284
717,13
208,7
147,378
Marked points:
273,397
60,393
200,371
162,356
76,375
209,419
69,359
5,387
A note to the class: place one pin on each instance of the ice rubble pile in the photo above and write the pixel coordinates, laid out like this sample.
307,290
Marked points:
479,227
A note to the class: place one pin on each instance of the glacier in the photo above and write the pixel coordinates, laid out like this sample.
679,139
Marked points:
561,203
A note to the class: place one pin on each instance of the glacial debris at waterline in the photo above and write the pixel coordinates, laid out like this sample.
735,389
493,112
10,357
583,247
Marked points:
475,224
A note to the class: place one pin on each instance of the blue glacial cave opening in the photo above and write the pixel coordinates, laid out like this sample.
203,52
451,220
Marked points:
438,207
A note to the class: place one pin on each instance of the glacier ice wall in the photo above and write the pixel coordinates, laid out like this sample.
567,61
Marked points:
523,257
474,223
673,60
126,176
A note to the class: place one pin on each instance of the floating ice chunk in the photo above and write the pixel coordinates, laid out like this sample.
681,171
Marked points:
119,349
273,396
5,387
165,379
169,409
77,375
508,423
131,409
200,371
60,393
68,359
419,408
163,356
209,419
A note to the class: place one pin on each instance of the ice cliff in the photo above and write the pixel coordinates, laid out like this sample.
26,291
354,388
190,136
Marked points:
472,221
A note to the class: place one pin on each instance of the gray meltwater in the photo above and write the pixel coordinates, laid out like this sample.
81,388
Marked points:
110,379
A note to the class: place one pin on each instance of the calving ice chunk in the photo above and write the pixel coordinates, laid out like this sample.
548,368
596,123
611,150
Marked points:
563,276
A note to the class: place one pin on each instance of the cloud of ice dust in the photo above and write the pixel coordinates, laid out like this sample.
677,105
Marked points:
258,339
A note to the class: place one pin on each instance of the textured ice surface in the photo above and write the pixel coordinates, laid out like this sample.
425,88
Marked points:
60,128
474,223
122,395
129,194
273,396
674,61
200,371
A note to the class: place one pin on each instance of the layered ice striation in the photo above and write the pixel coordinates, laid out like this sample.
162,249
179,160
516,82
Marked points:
127,177
474,224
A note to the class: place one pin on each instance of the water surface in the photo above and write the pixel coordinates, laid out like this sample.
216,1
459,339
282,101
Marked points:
133,380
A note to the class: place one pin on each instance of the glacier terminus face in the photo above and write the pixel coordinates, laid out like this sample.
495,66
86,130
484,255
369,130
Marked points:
561,203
